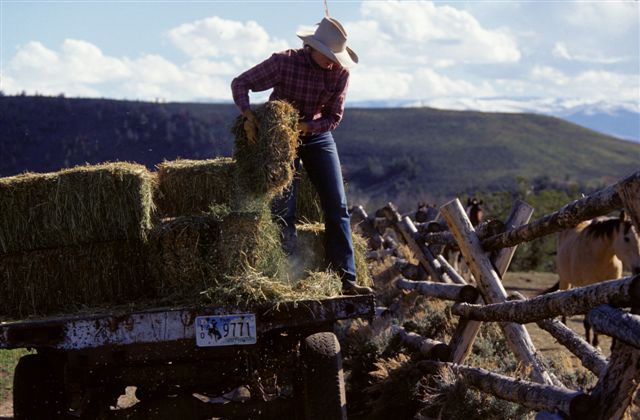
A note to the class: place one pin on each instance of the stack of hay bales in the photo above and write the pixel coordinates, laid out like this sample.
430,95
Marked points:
74,239
89,238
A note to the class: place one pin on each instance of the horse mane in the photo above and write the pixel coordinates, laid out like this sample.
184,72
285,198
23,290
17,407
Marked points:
603,227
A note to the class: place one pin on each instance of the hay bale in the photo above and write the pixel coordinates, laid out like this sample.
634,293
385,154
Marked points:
111,201
265,168
183,254
72,279
187,187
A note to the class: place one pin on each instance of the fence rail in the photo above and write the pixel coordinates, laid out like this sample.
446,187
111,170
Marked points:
619,376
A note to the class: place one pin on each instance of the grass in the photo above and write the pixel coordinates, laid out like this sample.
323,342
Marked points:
8,361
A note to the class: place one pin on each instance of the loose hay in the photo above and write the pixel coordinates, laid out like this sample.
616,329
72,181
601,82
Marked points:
250,287
188,187
308,207
112,201
266,167
310,253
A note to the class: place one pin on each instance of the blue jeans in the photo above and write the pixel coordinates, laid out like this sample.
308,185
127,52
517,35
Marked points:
319,155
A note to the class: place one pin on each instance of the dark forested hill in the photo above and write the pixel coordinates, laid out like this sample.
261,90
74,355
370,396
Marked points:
386,153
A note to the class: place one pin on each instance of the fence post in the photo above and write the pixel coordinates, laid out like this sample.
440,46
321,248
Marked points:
629,192
614,390
491,287
467,330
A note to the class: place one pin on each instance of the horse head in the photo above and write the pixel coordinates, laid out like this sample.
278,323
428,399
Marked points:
627,245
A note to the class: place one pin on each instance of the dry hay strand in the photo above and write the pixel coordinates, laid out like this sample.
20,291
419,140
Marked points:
394,392
360,249
308,207
72,279
251,288
266,167
111,201
188,187
446,395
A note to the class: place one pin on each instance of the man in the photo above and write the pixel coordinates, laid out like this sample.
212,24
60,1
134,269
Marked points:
314,80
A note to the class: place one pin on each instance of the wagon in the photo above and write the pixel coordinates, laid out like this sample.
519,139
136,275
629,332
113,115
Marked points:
188,362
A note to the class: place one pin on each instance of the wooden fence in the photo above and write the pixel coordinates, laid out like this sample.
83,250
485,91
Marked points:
618,376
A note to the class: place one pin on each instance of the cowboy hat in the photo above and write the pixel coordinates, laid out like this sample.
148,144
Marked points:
330,39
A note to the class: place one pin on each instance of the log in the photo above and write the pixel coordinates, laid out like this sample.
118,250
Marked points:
360,219
491,287
485,229
450,271
599,203
616,323
380,254
410,271
467,330
426,346
590,357
629,192
621,292
455,292
614,391
391,213
529,394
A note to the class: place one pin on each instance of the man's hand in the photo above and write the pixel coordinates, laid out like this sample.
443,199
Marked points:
250,126
303,127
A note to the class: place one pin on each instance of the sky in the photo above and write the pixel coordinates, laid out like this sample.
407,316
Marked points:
541,56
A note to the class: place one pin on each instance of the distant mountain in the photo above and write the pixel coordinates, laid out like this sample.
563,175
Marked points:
617,121
387,154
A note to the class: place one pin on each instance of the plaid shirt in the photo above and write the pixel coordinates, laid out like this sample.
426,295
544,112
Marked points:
316,93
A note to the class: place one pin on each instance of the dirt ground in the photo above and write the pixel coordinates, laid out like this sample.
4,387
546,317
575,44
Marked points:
527,283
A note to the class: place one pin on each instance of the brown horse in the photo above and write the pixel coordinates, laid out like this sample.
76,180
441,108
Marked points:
595,251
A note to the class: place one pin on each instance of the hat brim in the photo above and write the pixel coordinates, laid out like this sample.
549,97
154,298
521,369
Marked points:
346,58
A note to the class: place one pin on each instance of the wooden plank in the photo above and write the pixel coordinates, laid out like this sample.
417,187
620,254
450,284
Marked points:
491,287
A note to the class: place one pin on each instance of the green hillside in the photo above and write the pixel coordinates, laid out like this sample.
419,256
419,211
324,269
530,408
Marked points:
402,155
386,151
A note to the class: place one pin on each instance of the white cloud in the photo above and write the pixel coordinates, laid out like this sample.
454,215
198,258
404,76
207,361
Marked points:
560,50
216,37
429,84
378,83
608,16
549,75
423,29
80,68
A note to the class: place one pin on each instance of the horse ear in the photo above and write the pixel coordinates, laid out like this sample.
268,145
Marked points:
469,201
480,202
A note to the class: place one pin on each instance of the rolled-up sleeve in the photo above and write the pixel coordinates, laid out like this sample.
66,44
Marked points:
333,109
257,79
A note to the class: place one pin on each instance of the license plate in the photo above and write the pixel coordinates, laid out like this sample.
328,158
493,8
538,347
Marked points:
225,330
